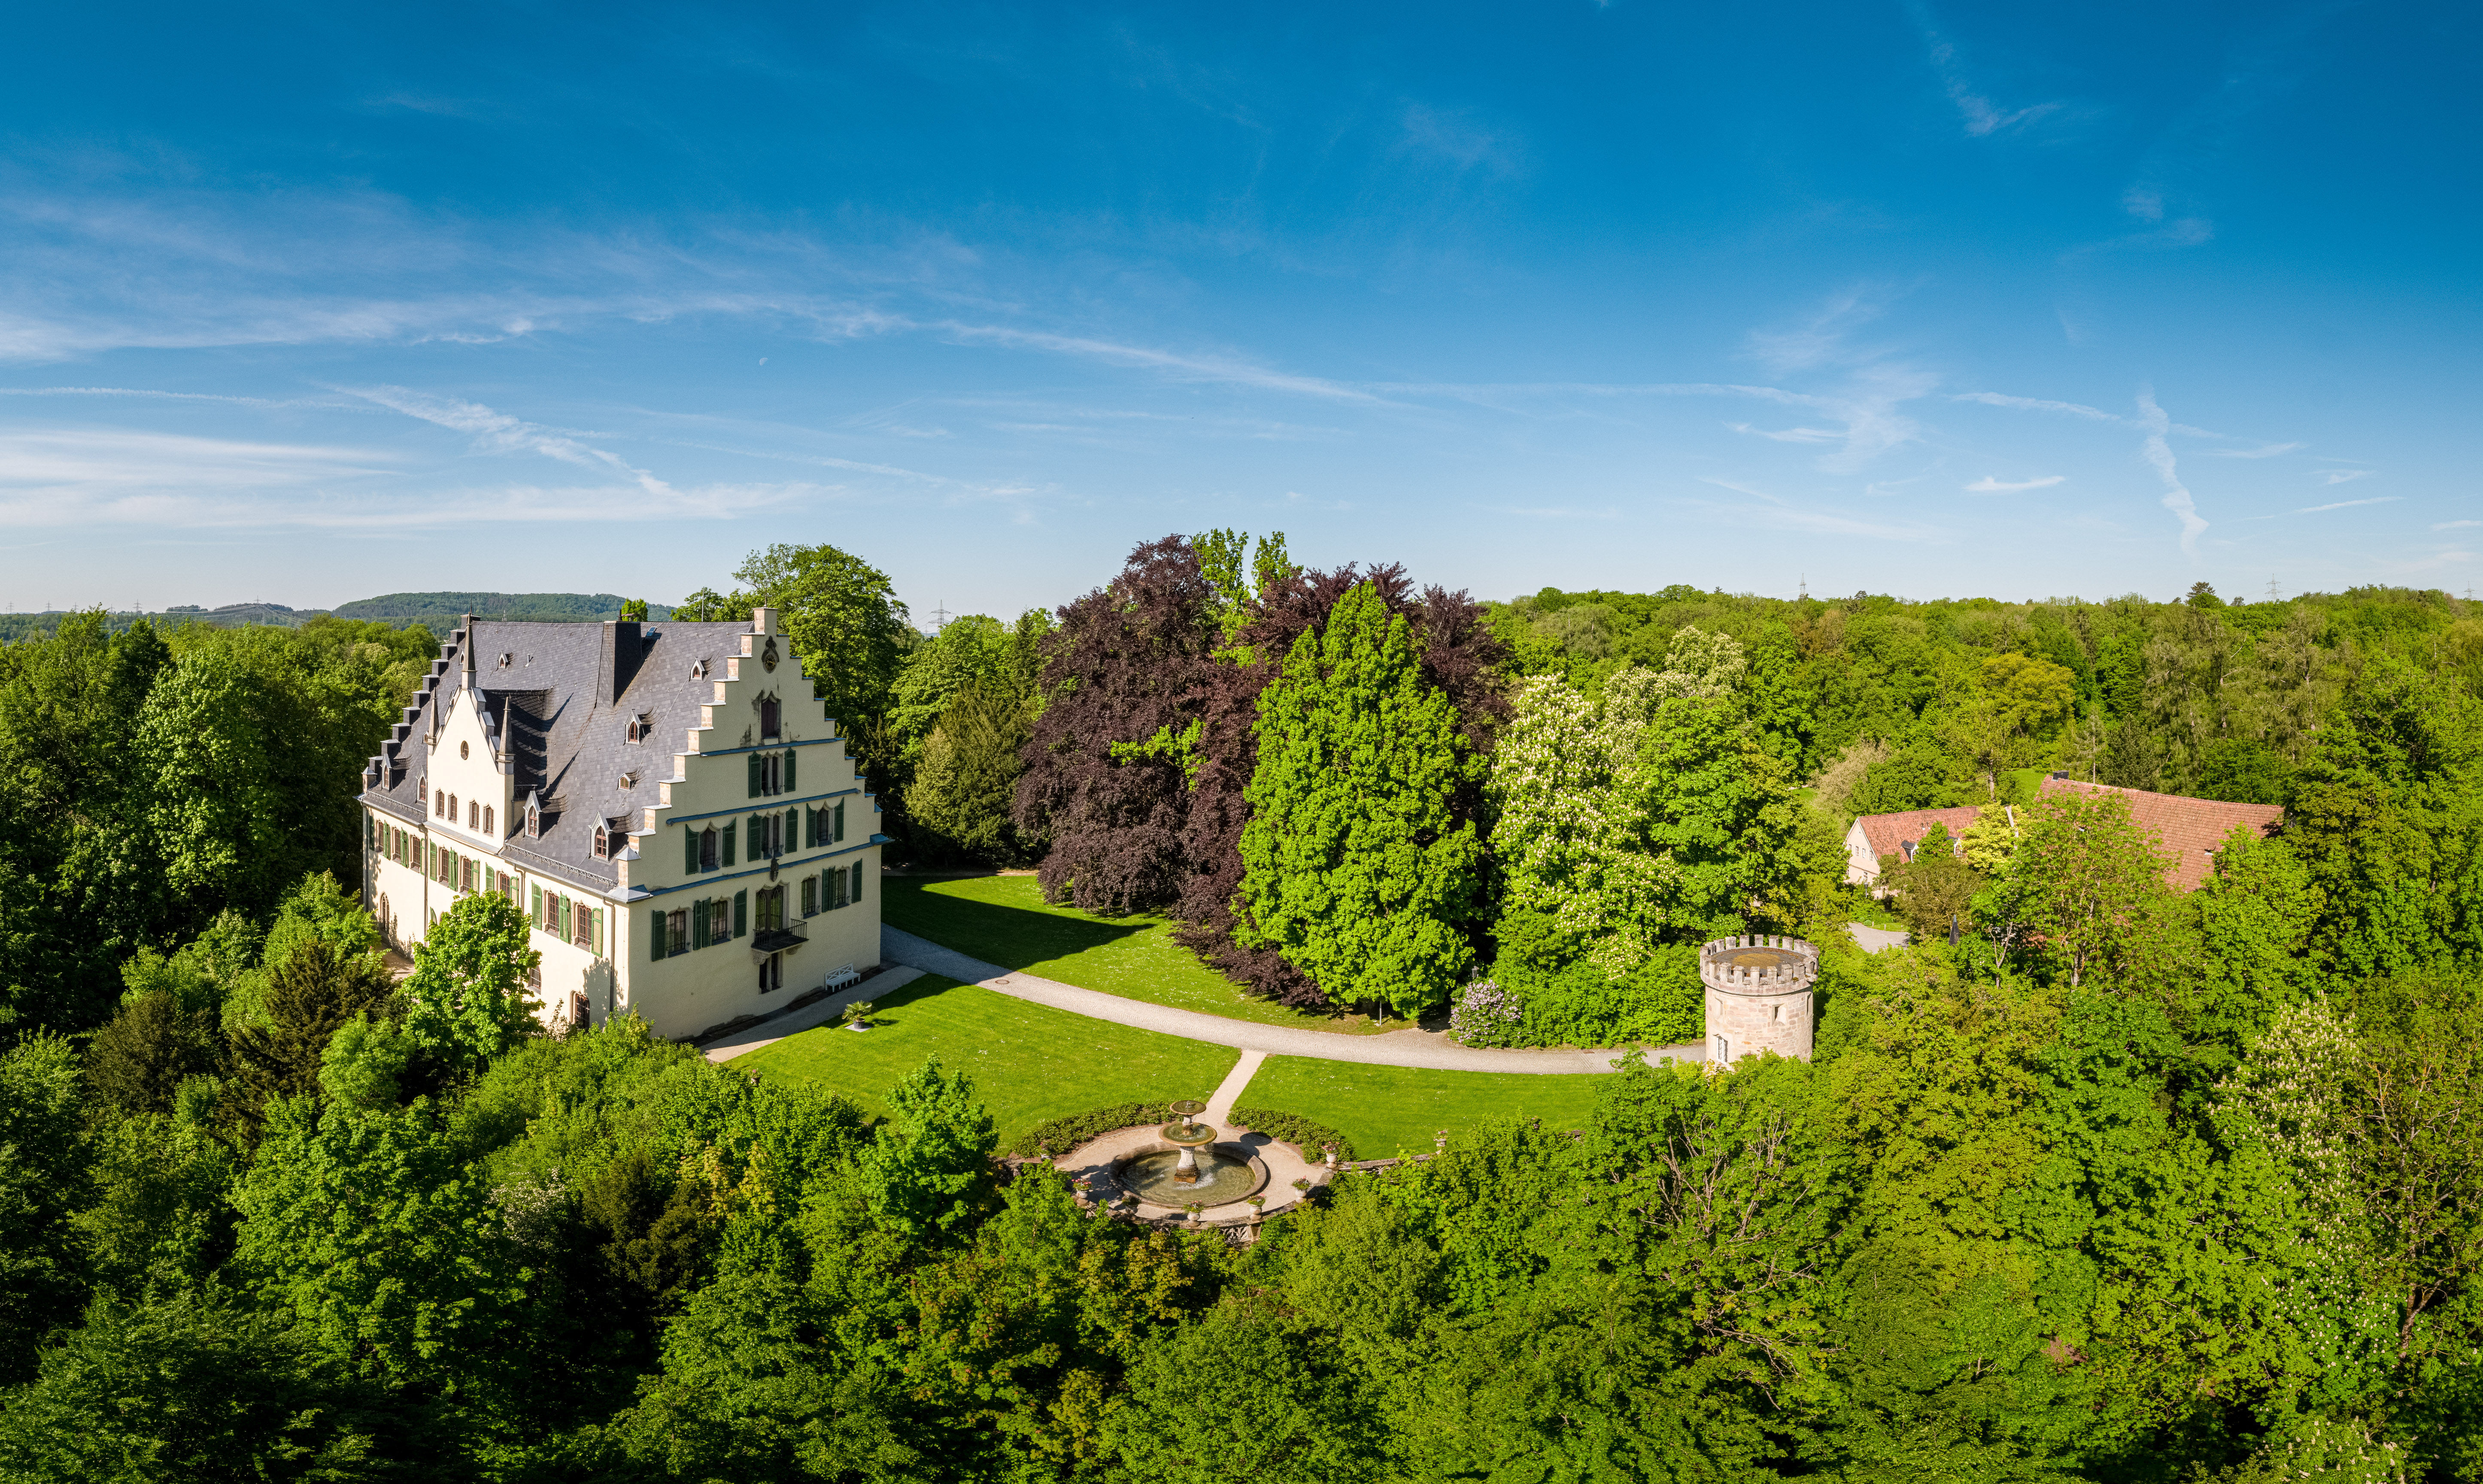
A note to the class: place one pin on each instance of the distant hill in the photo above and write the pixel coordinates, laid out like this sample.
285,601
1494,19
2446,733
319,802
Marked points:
440,611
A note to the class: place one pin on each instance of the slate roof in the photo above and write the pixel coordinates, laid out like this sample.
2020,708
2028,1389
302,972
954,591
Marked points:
550,696
2190,827
1895,835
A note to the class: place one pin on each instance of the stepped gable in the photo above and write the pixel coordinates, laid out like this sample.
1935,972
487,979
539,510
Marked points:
557,700
1896,835
2192,829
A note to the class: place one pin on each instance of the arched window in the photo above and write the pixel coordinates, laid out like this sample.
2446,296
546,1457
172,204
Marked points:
770,714
603,841
487,819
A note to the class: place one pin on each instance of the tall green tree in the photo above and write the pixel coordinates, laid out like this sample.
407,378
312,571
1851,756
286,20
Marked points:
374,1234
930,1162
843,619
44,1177
1353,866
966,778
470,994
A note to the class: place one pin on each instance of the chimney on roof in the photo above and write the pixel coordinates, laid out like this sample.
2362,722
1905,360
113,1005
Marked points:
466,649
623,650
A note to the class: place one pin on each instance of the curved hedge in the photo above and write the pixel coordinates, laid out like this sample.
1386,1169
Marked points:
1294,1128
1060,1135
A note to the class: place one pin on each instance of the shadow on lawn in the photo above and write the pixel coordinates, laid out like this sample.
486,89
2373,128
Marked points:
1010,937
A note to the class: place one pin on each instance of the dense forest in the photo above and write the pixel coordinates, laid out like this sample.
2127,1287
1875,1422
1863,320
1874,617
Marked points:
2118,1183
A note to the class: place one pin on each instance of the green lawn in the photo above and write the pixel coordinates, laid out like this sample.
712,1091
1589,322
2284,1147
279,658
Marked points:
1029,1062
1004,920
1387,1109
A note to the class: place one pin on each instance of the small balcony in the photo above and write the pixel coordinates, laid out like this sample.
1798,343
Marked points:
767,940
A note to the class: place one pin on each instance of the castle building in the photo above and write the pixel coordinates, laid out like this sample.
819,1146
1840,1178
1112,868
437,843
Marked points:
666,804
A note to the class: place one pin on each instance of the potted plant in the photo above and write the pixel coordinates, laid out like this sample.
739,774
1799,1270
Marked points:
858,1015
1302,1183
1197,1216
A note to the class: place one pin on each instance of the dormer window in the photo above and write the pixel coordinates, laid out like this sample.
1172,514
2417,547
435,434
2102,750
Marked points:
534,819
698,670
505,659
639,725
630,779
603,841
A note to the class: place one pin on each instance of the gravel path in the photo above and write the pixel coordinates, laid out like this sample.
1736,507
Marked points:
1871,939
1397,1048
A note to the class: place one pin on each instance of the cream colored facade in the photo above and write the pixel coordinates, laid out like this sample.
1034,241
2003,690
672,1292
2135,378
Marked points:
685,941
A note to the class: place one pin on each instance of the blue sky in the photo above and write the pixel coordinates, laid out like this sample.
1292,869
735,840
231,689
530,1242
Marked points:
305,304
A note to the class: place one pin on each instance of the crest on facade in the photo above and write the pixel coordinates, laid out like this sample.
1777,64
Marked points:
767,654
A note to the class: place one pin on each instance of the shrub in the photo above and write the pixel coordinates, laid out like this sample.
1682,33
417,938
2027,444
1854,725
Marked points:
1485,1014
1294,1128
1578,1004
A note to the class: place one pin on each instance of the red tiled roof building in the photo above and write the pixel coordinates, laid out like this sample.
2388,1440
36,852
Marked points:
2189,830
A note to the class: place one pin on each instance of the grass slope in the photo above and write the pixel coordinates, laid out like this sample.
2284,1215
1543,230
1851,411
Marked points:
1385,1110
1029,1062
1004,920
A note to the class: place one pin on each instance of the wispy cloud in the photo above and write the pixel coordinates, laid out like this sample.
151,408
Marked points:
2267,451
118,478
499,433
1987,484
2041,405
1788,435
2381,499
2455,525
2158,454
2342,476
1229,370
1453,135
1979,115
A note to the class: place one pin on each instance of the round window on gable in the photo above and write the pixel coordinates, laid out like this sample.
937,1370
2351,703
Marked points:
768,654
461,749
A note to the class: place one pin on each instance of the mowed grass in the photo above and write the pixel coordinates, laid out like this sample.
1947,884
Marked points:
1029,1062
1004,920
1386,1110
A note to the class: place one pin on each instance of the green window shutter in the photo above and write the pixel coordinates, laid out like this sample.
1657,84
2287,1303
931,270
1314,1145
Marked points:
810,826
655,935
839,835
758,775
792,831
534,907
595,932
740,913
857,881
690,849
727,856
698,926
789,770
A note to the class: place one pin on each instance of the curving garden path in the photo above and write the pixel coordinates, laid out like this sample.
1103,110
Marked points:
1429,1049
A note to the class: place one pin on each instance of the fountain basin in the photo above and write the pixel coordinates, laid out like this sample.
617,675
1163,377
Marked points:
1220,1178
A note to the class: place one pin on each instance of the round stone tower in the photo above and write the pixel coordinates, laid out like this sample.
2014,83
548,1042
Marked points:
1758,996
